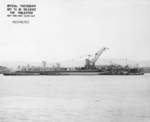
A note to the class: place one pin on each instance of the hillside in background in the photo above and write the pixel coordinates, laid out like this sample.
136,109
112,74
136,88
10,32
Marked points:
3,69
79,63
145,63
108,62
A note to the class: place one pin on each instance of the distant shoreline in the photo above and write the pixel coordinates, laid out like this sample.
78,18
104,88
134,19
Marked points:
146,69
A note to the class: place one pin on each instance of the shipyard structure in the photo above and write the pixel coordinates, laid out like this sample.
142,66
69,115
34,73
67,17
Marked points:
88,69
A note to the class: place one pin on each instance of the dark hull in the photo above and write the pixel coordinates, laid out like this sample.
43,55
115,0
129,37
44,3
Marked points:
72,73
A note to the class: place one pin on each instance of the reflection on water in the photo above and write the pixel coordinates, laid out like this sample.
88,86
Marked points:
75,99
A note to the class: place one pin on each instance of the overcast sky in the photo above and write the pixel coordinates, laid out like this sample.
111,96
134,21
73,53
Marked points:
65,29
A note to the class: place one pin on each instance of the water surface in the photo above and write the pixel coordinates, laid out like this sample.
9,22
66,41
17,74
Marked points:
75,98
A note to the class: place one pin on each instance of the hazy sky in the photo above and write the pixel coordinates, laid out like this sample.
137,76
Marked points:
65,29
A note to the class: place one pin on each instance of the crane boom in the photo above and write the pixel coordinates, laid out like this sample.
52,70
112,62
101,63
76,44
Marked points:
90,63
98,54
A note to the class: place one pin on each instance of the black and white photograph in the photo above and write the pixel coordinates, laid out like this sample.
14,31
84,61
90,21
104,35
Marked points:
74,61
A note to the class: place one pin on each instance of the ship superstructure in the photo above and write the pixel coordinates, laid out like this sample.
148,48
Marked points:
88,69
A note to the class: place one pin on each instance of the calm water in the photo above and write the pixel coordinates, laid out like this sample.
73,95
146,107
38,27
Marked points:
75,98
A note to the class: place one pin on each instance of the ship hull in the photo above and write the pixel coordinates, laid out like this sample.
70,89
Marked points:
72,73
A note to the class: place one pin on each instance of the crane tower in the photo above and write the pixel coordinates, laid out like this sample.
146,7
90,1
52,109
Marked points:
90,63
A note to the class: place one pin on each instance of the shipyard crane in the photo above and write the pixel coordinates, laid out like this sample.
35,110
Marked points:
91,63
